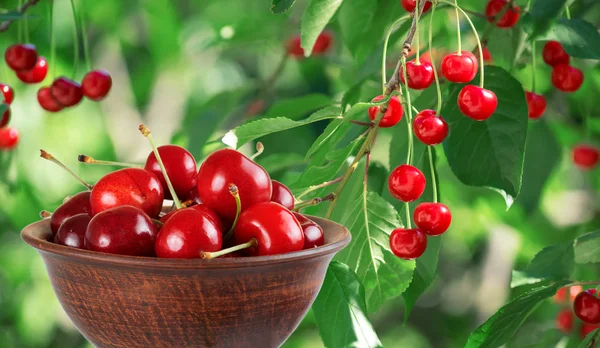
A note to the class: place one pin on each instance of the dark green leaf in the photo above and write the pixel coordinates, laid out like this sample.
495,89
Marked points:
351,13
11,16
296,108
279,161
316,16
490,153
329,138
424,274
340,310
352,96
579,38
587,248
378,175
542,14
281,6
554,262
591,339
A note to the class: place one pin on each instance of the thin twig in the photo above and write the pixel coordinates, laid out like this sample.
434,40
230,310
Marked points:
6,24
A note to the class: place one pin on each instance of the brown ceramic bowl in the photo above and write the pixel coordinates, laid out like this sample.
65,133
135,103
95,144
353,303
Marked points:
126,301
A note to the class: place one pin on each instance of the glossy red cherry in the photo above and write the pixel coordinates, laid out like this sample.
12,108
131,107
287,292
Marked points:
21,57
322,44
96,84
406,183
123,230
130,186
66,92
420,76
181,169
585,156
564,320
459,68
587,307
224,167
408,244
188,233
477,103
586,329
46,101
201,208
555,54
536,103
510,17
313,233
72,231
432,218
429,128
566,78
282,195
35,75
9,138
7,93
392,116
78,204
275,228
410,5
487,56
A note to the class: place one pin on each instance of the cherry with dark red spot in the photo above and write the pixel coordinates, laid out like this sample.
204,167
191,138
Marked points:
536,104
96,84
392,115
46,101
432,218
585,156
406,183
477,103
430,128
181,168
35,75
460,68
313,233
420,75
408,244
555,54
66,92
510,17
587,307
21,57
72,231
411,5
282,195
78,204
567,78
9,138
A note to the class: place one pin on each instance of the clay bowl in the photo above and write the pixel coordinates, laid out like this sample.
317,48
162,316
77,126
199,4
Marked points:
126,301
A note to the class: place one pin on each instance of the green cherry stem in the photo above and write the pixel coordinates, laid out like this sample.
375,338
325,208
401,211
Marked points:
316,187
409,118
235,192
385,45
47,156
418,15
433,179
211,255
259,150
311,202
84,39
52,39
26,25
433,64
533,60
75,39
567,11
91,160
459,51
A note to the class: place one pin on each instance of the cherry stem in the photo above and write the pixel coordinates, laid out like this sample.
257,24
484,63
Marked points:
84,39
491,26
583,283
25,24
314,201
211,255
433,179
235,192
76,29
52,40
158,222
533,60
259,150
567,11
418,17
409,114
20,35
188,203
385,45
90,160
316,187
22,9
45,214
458,27
435,74
45,155
146,133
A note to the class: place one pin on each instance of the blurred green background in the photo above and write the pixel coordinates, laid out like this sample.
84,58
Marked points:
191,70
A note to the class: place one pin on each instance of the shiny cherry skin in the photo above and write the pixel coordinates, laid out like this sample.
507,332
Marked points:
566,78
72,231
510,17
66,92
46,101
181,169
21,57
9,138
7,93
487,56
274,227
459,68
313,233
35,75
555,54
201,208
224,167
406,183
408,244
188,233
392,116
323,43
477,103
587,307
123,230
564,320
585,156
78,204
429,128
586,329
5,119
410,5
420,76
130,186
282,195
536,103
96,84
432,218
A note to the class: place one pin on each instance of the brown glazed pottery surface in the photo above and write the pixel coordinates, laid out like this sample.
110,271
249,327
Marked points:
127,301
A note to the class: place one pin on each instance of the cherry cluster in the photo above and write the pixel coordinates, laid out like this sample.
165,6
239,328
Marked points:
584,304
565,77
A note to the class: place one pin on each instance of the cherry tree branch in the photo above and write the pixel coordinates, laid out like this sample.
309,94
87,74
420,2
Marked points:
6,24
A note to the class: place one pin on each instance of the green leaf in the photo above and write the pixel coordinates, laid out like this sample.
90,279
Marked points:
587,248
498,329
424,275
351,13
519,278
256,129
382,273
542,14
589,340
281,6
316,16
352,96
340,310
554,262
279,161
579,38
11,16
489,153
296,108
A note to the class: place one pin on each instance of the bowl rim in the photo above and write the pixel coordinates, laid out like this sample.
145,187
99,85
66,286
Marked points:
44,246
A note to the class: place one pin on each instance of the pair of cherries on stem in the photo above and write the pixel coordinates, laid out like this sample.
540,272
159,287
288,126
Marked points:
322,45
27,64
564,77
65,92
496,7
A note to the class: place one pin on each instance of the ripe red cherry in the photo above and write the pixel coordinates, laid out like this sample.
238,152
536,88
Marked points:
21,57
224,167
487,56
566,78
429,128
477,103
96,84
282,195
410,5
123,230
72,231
274,227
313,233
420,76
78,204
510,18
46,101
587,307
536,103
408,244
188,233
9,138
564,320
322,44
130,186
293,47
7,93
66,92
406,183
459,68
555,54
392,116
585,156
35,75
432,218
181,169
586,329
201,208
5,119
